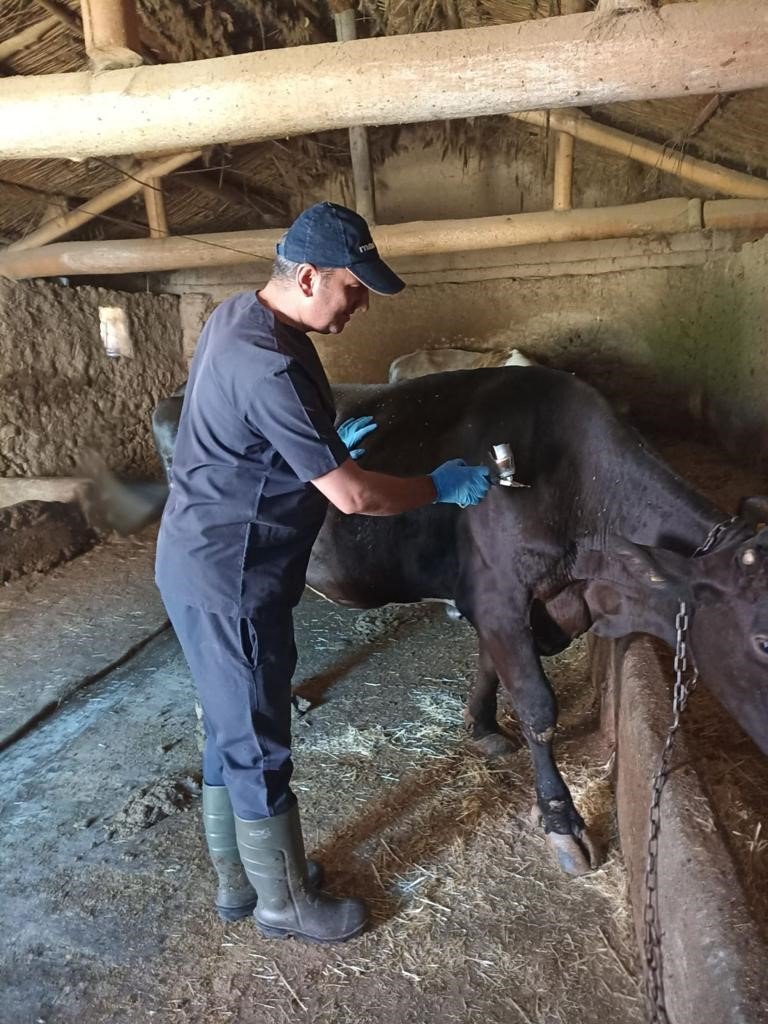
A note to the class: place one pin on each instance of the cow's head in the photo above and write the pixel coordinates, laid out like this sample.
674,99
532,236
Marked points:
631,588
729,629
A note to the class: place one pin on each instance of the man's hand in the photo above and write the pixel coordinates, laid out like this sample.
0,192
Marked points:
457,483
353,430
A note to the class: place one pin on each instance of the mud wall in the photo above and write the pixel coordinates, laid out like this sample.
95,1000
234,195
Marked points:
62,396
671,329
732,348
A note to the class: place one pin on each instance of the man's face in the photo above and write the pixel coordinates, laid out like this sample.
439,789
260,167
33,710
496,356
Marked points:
336,295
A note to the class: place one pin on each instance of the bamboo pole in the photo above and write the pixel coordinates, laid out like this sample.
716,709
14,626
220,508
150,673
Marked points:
659,217
698,172
679,49
562,198
63,14
155,207
104,201
563,176
25,38
362,175
111,34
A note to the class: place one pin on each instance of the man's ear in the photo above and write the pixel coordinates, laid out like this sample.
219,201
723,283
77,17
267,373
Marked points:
623,563
306,278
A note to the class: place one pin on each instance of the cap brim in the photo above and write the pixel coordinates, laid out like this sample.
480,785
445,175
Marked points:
376,275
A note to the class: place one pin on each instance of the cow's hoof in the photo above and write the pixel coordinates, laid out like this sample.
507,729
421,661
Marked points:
493,746
575,854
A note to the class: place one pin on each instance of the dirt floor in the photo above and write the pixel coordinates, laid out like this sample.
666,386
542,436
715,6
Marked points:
106,890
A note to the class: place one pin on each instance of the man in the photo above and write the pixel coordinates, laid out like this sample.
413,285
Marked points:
257,459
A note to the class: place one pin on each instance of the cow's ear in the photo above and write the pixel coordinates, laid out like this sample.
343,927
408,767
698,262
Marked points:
622,562
754,511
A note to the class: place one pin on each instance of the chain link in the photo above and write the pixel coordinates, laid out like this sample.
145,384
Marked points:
654,980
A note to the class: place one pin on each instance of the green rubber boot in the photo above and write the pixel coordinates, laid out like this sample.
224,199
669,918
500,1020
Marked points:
236,897
272,853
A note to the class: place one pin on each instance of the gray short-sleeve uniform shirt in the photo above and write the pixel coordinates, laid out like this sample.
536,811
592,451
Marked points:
256,426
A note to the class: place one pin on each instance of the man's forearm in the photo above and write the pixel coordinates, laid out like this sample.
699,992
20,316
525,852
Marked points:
379,494
356,491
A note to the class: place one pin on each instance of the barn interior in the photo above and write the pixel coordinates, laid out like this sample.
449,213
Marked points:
586,182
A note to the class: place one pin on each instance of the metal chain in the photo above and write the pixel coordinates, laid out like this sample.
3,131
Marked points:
714,535
654,980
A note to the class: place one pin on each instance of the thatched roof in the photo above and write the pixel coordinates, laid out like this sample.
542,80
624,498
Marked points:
263,185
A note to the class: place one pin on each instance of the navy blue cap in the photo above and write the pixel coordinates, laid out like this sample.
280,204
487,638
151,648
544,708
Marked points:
329,235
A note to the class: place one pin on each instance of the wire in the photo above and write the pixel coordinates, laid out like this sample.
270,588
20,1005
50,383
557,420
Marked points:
124,221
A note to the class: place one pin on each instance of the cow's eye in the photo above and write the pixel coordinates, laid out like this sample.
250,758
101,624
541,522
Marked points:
761,645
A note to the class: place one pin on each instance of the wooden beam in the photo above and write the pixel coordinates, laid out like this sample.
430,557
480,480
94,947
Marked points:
25,38
362,175
59,226
659,217
688,168
679,49
155,207
111,33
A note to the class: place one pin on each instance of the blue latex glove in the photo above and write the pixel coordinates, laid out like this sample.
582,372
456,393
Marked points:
457,483
353,430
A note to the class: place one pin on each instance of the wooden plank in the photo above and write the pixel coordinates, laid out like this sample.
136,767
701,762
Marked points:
679,49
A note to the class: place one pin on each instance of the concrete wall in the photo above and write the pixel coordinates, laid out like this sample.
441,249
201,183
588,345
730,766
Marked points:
61,394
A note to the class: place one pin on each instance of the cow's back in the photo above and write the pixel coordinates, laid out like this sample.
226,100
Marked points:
543,414
589,475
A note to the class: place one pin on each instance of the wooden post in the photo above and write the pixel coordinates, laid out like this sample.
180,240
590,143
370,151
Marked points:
111,33
688,168
659,217
680,49
362,175
104,201
564,143
563,177
155,207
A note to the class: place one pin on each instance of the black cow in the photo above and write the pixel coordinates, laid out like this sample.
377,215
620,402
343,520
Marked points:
602,540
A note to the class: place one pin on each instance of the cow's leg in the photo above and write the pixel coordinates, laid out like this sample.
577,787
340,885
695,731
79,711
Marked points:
535,705
485,736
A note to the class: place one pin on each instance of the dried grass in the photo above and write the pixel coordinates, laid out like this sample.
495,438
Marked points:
463,892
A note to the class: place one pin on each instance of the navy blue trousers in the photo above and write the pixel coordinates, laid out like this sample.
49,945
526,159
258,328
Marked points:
242,668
